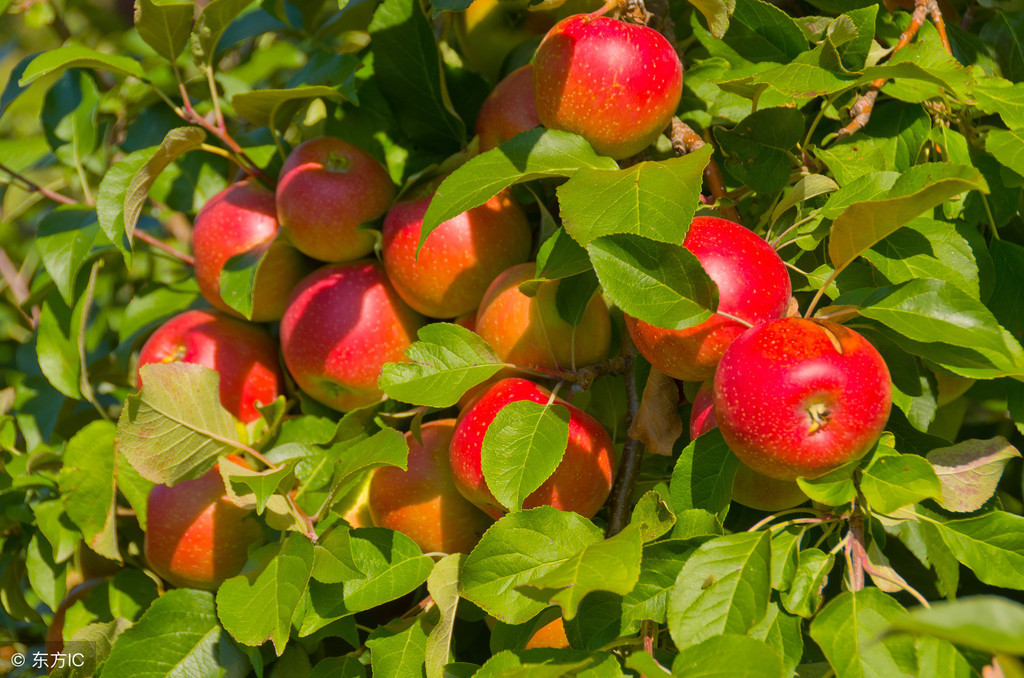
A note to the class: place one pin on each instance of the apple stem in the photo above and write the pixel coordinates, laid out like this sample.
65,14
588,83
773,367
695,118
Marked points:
629,468
821,292
735,319
862,107
895,581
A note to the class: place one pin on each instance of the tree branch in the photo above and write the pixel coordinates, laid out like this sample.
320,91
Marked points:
160,245
629,466
685,140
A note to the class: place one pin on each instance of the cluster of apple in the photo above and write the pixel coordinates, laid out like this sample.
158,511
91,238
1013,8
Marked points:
793,397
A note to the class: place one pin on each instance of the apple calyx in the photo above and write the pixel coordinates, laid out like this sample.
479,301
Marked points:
337,162
819,413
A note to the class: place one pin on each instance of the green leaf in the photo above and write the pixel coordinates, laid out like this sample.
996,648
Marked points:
652,516
263,107
94,643
716,13
134,487
46,578
175,428
921,188
550,663
661,284
999,95
759,31
1002,31
447,361
392,565
333,559
239,274
530,155
177,142
1007,146
893,480
926,310
655,200
87,486
58,529
804,593
987,623
728,656
1008,262
445,587
609,565
783,633
806,188
179,629
258,605
211,23
522,448
835,488
350,458
992,545
252,489
164,25
338,667
969,471
848,630
703,475
408,71
516,551
64,241
110,197
561,257
77,56
756,150
399,653
927,248
56,345
723,588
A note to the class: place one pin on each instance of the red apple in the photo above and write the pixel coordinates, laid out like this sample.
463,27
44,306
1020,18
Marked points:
508,110
528,331
749,487
796,397
195,536
243,354
423,502
581,483
328,190
616,84
460,257
240,218
753,284
342,324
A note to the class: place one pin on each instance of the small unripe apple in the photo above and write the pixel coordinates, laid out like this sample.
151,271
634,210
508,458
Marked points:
508,110
580,483
490,29
243,354
328,190
459,259
797,397
753,284
241,218
529,331
195,536
615,84
342,324
749,488
422,502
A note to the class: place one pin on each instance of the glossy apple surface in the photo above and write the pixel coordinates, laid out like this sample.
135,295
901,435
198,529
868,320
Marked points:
796,397
243,354
328,189
342,324
195,537
750,488
753,284
240,218
581,483
422,502
615,84
508,110
529,331
459,259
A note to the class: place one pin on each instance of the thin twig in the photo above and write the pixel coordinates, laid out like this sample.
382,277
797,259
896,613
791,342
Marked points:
629,467
41,190
160,245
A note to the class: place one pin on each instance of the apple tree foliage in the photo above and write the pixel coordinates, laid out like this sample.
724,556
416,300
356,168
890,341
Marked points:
908,563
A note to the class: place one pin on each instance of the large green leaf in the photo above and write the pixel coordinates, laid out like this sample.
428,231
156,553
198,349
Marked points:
165,25
923,187
703,475
264,107
64,241
723,588
655,200
175,428
659,283
893,480
992,545
848,631
522,448
756,150
77,56
87,486
399,653
987,623
728,656
179,629
211,23
445,586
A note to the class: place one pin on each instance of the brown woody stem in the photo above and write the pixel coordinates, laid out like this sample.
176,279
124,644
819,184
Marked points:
41,190
685,140
629,467
160,245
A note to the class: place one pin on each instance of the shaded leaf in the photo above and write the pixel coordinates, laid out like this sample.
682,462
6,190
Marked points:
165,25
87,486
969,471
